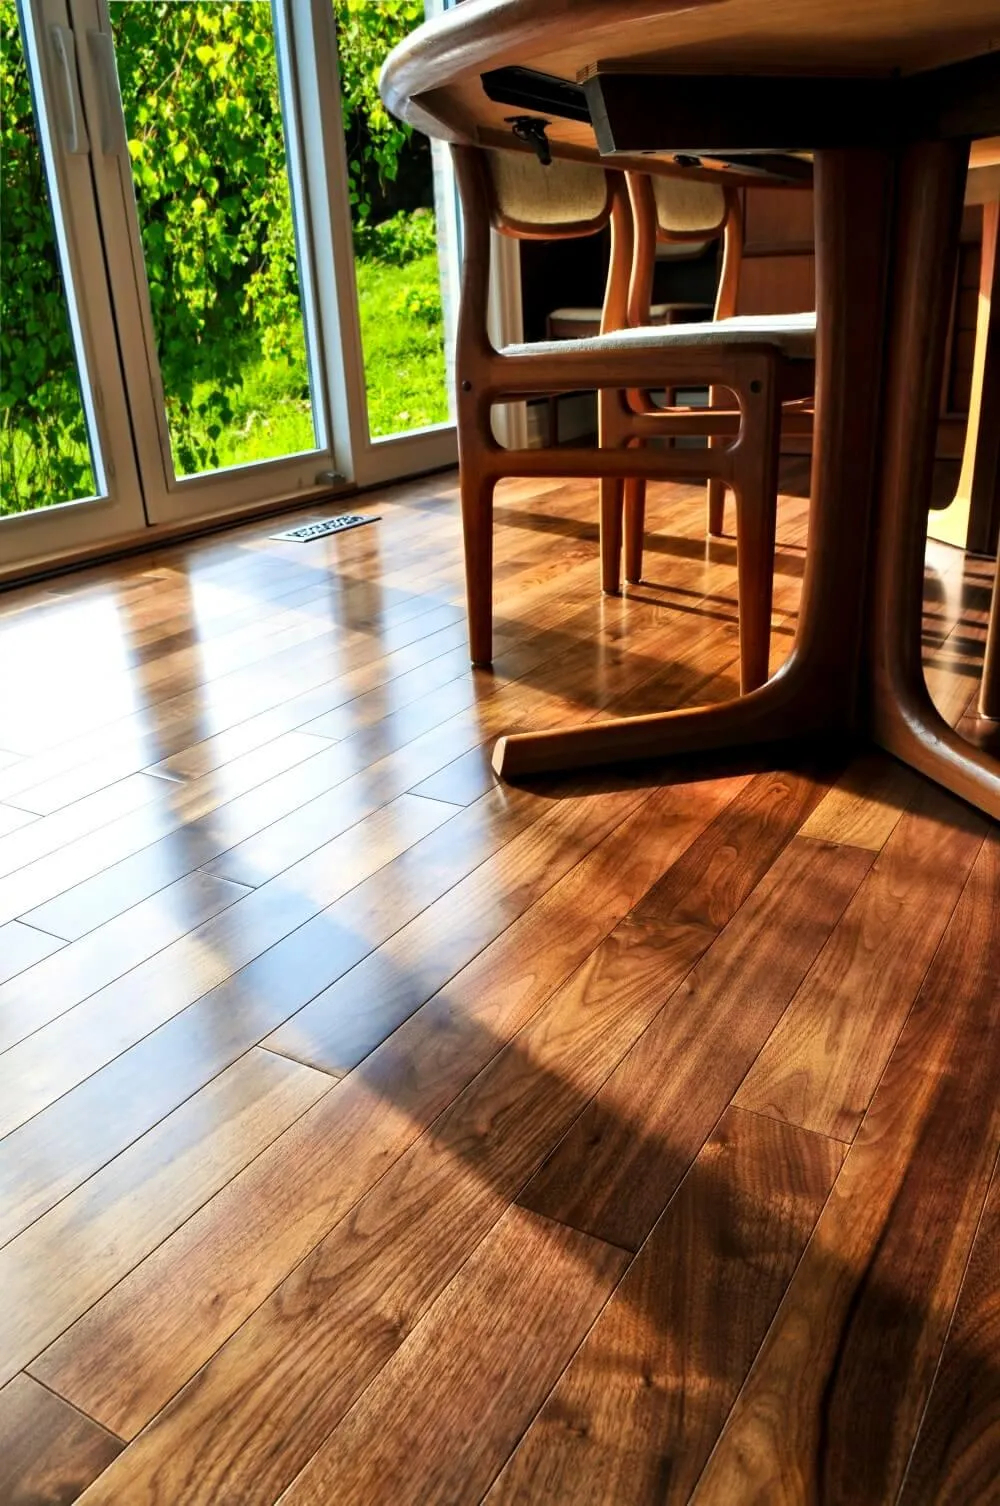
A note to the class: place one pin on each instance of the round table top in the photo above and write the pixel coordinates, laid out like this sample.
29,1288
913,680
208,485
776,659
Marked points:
432,79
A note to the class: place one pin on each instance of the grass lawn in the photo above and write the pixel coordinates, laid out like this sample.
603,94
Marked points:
402,335
402,332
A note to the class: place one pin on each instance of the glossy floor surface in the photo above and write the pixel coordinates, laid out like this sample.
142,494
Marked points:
371,1132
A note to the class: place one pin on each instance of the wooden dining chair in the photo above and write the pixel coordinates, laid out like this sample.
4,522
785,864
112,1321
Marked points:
573,321
516,195
665,209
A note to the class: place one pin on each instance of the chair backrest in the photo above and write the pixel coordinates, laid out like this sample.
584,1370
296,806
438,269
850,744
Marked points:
515,194
671,209
688,209
536,202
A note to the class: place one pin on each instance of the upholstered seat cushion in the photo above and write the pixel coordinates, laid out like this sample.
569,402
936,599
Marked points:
794,334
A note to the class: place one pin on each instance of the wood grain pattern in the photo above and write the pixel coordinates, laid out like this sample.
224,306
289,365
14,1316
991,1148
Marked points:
49,1452
958,1446
736,851
821,1065
637,1412
338,1028
865,804
472,1373
305,1355
118,1216
606,1178
129,1196
126,1357
832,1405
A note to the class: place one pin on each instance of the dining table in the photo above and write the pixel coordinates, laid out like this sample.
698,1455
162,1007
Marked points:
883,103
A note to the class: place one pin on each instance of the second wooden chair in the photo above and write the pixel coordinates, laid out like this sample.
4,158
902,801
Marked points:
516,195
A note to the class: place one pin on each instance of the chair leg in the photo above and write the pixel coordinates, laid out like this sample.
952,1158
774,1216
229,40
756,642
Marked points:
756,519
553,412
755,482
612,501
477,528
635,523
717,397
716,507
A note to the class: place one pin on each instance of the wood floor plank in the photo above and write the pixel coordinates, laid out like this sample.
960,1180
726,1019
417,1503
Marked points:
129,1355
79,969
142,857
233,1347
203,823
267,773
21,947
311,1348
625,1156
12,819
832,1405
721,869
822,1063
145,736
55,1151
40,838
865,804
638,1411
72,1256
442,1416
186,721
441,733
706,653
956,1461
345,1022
40,1069
49,1452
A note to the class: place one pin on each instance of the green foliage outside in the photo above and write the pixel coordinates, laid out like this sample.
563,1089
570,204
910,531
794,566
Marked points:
200,92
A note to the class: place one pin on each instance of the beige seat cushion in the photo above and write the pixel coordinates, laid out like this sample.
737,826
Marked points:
794,334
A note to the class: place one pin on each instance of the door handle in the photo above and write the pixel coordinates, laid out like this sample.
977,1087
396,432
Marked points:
102,54
74,132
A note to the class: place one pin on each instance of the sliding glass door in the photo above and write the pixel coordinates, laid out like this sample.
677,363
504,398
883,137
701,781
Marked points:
208,306
197,173
67,472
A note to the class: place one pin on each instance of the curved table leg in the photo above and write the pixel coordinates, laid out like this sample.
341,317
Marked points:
904,719
816,692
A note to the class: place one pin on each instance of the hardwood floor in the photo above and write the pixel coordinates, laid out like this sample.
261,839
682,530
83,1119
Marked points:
370,1131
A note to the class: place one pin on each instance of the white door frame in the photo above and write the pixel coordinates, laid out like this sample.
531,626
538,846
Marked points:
30,538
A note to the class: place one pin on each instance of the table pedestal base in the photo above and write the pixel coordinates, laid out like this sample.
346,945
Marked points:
886,243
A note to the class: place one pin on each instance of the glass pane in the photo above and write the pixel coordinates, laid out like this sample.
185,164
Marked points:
202,98
391,172
45,451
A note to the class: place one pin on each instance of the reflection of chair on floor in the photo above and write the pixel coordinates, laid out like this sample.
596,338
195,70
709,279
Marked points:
661,213
972,519
760,363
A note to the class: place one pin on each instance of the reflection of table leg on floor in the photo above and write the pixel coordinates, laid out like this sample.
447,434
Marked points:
972,520
989,695
904,720
856,661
